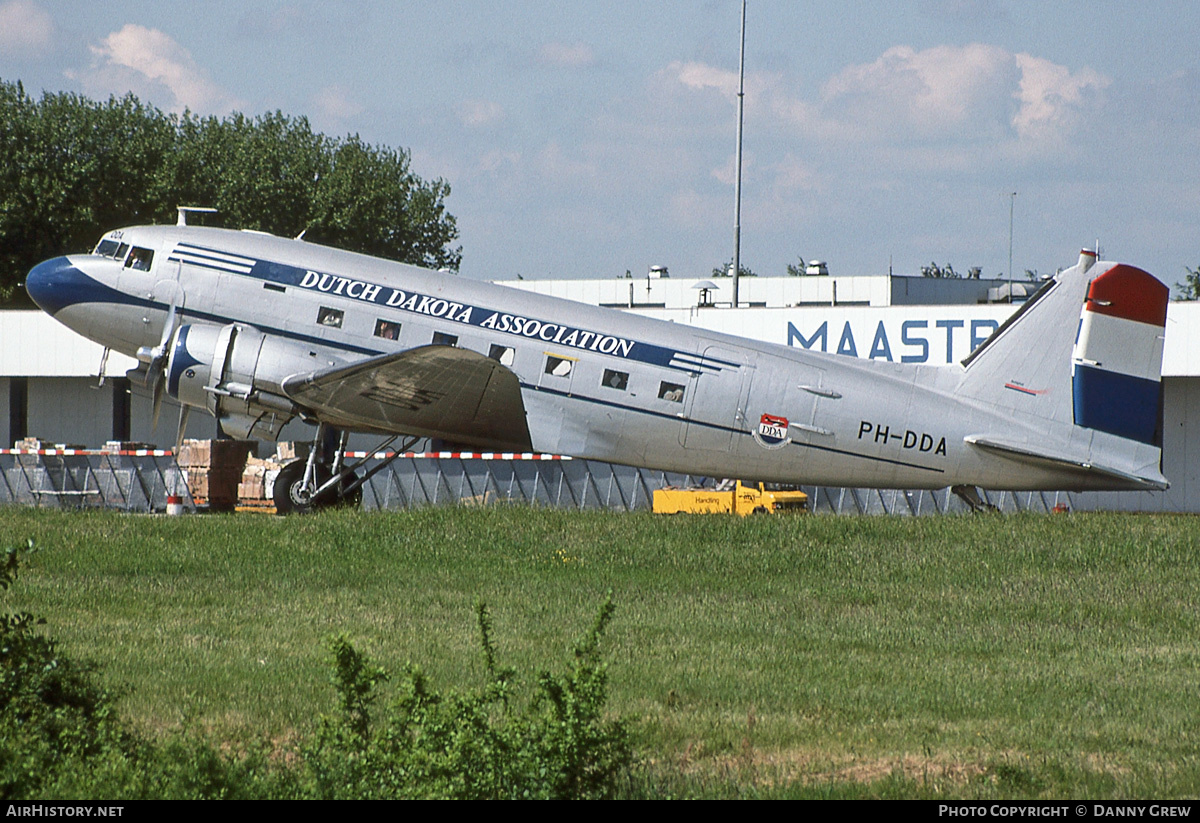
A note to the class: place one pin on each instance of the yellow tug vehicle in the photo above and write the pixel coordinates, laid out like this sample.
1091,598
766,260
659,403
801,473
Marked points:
732,496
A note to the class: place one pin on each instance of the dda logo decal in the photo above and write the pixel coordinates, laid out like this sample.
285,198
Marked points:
772,432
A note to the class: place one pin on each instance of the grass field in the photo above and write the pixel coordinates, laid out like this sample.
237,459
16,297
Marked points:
989,656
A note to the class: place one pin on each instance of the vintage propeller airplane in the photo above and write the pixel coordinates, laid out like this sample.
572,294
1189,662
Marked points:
258,329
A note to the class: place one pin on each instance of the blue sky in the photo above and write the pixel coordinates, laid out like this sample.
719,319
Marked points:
587,139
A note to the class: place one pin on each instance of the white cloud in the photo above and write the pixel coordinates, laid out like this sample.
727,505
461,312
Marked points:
976,95
944,89
1051,97
336,103
690,209
495,162
792,174
147,61
726,173
558,166
972,92
476,113
703,76
568,55
25,29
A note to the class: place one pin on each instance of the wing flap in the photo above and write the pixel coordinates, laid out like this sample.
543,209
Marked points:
432,391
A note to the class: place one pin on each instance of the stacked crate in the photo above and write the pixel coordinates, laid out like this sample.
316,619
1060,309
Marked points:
214,470
257,487
118,446
258,483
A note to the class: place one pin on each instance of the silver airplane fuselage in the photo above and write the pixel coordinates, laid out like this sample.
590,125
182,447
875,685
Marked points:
603,384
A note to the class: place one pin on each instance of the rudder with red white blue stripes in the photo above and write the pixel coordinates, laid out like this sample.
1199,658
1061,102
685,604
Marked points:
1117,361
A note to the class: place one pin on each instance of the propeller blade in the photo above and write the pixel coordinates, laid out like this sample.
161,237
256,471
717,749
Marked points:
158,389
157,368
169,323
184,410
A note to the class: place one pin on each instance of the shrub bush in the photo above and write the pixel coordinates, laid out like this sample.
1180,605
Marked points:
60,736
485,743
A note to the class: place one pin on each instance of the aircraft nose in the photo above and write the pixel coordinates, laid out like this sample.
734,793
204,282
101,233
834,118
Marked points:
54,284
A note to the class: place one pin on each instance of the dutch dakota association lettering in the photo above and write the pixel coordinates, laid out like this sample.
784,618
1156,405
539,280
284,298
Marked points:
471,315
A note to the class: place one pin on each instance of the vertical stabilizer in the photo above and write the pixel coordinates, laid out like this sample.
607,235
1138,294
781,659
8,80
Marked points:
1075,375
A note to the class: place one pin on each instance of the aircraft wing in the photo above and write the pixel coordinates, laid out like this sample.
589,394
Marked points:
1061,461
432,391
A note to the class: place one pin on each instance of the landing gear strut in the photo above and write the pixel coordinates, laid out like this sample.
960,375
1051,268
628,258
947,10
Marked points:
970,495
324,479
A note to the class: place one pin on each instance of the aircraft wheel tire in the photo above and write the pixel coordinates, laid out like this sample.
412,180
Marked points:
289,497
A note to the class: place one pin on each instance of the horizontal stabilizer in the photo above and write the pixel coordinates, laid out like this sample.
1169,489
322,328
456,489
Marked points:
432,391
1047,458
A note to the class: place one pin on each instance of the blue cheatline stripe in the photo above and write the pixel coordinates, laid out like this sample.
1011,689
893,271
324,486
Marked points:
192,248
1119,404
229,268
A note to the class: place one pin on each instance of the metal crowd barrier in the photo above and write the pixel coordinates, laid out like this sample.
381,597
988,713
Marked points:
133,481
829,500
479,479
141,480
484,478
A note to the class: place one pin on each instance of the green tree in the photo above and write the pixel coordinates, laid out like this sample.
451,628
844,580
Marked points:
942,273
258,173
396,211
797,269
724,271
1189,289
74,168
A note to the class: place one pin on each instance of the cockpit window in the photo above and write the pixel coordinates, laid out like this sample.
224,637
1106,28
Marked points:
112,248
140,259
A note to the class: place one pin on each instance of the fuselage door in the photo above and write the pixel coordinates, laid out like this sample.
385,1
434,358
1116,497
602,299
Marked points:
716,405
783,403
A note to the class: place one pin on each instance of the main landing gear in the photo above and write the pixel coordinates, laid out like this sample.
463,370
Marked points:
325,479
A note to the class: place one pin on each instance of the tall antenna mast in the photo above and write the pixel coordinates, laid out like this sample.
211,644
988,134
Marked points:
737,186
1011,205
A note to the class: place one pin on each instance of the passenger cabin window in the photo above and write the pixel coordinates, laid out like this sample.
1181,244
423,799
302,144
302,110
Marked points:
387,329
670,391
440,338
559,366
140,259
618,380
503,355
330,317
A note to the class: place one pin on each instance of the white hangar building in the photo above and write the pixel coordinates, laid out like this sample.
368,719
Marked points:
50,387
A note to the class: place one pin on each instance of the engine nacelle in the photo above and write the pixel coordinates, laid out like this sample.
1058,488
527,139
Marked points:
236,373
